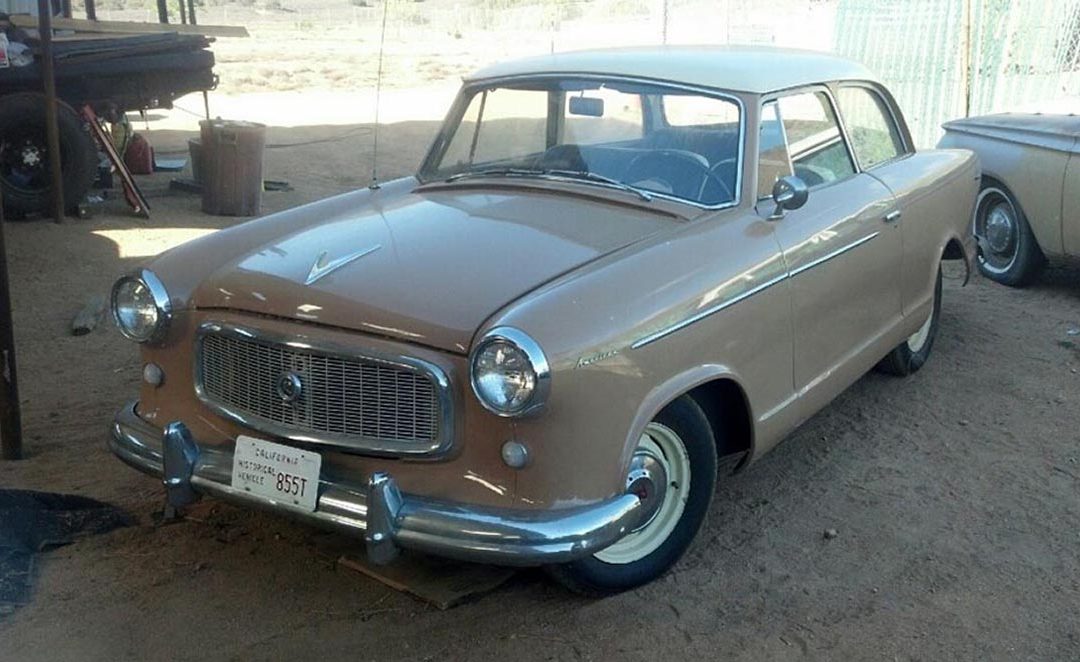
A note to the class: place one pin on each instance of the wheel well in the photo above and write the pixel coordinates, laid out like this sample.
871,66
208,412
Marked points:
953,250
728,412
989,181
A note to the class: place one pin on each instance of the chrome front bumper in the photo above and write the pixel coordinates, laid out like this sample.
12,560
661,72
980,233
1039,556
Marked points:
376,510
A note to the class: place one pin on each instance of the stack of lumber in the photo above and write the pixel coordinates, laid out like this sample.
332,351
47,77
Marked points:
88,30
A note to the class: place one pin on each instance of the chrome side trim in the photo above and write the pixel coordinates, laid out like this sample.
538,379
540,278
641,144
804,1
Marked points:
697,317
346,443
505,536
828,256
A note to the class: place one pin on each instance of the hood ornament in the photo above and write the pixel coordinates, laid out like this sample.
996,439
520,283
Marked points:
323,268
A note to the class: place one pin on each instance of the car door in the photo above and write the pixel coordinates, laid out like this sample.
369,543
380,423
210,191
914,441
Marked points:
842,256
882,149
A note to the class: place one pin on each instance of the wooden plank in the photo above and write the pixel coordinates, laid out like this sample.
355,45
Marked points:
132,193
441,582
52,129
131,27
11,447
87,319
83,36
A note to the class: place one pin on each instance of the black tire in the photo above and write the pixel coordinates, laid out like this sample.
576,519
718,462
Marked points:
1008,251
24,168
906,359
594,577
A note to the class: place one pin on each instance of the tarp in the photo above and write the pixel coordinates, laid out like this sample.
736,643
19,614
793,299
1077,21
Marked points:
31,522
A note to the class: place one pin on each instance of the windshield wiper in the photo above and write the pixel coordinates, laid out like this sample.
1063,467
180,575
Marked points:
594,177
496,172
584,175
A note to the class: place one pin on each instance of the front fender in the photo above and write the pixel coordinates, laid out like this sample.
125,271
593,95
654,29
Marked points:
660,396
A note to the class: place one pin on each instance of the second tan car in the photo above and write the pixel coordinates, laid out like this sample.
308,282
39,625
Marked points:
1028,208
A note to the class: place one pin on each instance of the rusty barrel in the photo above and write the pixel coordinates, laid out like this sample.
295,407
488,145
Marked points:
230,164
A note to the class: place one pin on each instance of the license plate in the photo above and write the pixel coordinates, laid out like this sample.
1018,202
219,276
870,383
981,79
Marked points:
287,475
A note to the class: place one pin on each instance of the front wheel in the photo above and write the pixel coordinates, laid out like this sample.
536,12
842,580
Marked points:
673,471
1009,253
911,354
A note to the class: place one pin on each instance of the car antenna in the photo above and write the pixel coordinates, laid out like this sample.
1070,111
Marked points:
378,91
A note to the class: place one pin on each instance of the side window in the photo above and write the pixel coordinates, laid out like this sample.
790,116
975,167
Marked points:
874,135
818,153
773,162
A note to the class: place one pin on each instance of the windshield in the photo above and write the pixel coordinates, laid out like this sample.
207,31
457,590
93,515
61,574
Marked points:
647,139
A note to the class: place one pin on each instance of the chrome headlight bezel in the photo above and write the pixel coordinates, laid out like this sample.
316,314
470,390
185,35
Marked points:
538,362
162,306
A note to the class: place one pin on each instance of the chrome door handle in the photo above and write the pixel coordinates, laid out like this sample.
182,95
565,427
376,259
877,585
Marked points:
892,216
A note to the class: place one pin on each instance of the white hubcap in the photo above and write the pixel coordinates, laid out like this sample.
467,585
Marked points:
664,445
918,339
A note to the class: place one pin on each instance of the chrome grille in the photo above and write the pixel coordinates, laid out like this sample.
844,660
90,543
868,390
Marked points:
343,399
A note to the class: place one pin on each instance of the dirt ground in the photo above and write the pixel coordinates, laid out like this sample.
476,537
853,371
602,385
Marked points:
955,495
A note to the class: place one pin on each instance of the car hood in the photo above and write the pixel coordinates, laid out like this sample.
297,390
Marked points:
427,267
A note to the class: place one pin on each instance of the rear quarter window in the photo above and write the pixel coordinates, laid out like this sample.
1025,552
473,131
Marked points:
875,138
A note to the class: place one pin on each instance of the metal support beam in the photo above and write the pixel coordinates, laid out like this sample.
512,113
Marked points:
10,419
52,130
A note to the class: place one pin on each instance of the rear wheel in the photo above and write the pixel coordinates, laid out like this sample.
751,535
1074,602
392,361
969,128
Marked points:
911,354
25,177
1008,251
674,472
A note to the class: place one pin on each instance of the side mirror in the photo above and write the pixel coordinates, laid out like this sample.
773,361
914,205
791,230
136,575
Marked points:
788,193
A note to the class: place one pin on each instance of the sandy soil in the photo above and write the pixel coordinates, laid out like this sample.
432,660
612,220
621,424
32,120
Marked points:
955,494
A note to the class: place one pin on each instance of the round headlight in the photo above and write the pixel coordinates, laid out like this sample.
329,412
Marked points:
510,374
140,307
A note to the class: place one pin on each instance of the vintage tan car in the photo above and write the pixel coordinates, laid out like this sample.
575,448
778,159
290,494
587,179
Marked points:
1029,205
614,272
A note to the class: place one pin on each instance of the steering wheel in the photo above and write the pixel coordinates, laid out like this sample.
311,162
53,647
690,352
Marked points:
729,164
683,174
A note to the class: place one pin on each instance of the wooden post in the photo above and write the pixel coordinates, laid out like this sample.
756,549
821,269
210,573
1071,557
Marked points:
183,13
10,423
162,12
52,130
191,12
91,10
65,8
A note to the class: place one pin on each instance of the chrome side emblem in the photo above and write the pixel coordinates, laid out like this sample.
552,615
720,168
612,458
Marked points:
322,267
289,387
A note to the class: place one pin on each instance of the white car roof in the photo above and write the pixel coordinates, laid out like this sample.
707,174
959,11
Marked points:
754,69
